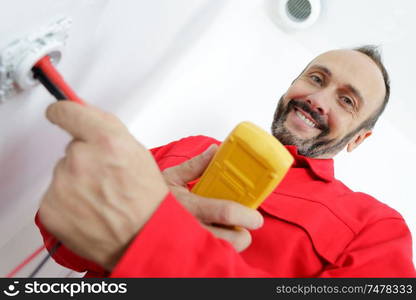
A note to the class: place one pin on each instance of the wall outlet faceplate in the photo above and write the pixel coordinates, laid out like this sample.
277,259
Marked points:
18,57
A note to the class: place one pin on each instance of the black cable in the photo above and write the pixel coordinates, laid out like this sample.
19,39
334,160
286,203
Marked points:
45,259
39,75
44,80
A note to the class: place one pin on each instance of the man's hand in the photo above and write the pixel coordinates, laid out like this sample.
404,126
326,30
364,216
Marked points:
105,188
226,219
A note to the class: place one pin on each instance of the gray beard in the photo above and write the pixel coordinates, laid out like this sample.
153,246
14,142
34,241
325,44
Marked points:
312,147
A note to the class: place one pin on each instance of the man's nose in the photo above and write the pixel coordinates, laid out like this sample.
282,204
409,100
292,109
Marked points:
319,102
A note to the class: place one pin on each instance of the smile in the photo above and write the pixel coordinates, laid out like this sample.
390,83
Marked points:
306,120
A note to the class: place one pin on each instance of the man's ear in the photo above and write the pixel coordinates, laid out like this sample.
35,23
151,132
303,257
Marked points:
358,139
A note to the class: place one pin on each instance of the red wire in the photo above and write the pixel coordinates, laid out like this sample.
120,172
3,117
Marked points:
49,70
26,261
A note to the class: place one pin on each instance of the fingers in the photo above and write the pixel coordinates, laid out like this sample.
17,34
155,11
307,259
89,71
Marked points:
226,212
239,238
82,122
70,145
79,159
190,169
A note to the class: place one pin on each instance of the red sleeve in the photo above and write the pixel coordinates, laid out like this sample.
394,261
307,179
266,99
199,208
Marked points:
174,244
66,257
383,249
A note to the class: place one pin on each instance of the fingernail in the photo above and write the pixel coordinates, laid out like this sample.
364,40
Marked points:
259,222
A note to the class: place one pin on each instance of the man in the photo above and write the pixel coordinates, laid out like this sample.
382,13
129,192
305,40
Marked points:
117,215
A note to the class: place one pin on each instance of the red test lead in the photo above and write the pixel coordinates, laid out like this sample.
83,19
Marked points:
46,73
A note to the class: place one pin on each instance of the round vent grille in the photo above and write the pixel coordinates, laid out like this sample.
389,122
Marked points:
299,10
297,14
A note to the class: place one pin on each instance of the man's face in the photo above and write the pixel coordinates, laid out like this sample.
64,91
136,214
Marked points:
323,109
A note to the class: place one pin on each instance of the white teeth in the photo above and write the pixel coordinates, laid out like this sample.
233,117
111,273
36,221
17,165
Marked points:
306,120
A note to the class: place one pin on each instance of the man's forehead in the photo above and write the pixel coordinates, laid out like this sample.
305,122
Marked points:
348,59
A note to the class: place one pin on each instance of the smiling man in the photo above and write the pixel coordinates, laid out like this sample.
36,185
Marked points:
334,102
117,215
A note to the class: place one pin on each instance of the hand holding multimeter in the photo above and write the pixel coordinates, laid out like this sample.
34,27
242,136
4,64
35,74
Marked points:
247,167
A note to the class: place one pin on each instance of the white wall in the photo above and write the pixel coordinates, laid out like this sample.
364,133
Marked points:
190,67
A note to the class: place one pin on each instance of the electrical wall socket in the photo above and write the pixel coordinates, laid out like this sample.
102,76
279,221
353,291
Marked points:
18,58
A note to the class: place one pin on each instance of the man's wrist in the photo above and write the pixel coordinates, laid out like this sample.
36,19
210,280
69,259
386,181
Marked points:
109,260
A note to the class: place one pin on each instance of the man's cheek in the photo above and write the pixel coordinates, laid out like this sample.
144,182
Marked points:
334,126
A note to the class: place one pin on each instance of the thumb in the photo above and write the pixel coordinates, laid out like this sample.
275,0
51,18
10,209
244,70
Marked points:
190,169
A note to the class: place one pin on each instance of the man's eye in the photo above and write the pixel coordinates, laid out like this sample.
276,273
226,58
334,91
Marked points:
316,78
347,101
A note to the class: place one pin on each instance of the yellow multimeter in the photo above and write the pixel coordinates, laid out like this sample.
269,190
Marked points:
247,167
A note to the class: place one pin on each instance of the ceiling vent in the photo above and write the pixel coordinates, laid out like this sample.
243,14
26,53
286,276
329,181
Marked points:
298,14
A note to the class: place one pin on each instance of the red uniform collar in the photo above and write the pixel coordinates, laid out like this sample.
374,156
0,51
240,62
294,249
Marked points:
322,168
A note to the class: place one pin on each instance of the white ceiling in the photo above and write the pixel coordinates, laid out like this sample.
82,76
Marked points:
182,54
